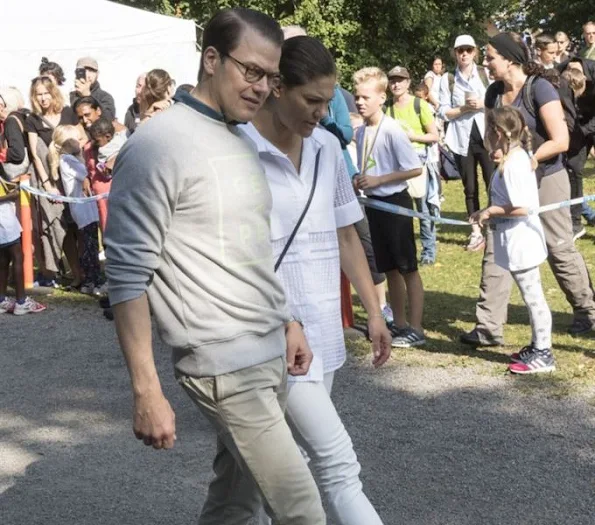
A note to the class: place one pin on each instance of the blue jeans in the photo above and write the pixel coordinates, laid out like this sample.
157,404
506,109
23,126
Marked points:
427,229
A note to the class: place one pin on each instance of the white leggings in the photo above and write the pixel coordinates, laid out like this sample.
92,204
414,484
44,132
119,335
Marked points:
529,283
318,430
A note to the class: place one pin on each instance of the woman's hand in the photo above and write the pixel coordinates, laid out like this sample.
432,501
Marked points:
480,217
381,339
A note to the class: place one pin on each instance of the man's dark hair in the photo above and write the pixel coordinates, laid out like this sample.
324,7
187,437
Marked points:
102,127
544,40
225,30
86,101
303,59
52,68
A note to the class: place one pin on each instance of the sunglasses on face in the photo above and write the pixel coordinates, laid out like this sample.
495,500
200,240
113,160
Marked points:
461,50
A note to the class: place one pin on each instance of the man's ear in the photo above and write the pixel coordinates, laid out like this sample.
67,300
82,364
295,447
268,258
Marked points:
210,59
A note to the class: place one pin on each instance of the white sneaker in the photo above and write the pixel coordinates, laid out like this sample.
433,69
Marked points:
28,307
7,306
476,242
100,290
87,289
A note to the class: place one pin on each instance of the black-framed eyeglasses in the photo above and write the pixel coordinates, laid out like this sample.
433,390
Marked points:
254,74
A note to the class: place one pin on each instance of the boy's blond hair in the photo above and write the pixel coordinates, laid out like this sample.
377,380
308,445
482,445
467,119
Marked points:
368,74
576,80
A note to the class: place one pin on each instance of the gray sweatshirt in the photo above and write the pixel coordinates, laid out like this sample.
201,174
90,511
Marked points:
188,224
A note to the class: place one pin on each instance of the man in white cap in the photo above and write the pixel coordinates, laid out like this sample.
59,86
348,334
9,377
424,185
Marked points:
86,85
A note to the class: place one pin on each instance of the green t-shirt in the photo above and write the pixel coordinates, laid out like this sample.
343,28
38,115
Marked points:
411,121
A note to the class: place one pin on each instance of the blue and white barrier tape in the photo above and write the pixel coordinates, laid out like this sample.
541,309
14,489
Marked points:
61,198
399,210
370,203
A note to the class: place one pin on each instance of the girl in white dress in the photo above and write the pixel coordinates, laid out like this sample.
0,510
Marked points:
295,152
519,241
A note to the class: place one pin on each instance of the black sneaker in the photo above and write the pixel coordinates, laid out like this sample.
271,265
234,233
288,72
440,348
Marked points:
523,354
408,338
104,302
580,326
477,338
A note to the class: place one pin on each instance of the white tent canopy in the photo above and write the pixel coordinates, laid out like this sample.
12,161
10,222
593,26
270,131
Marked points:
125,42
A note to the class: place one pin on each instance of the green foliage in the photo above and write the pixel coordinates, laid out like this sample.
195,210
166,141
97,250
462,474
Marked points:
385,33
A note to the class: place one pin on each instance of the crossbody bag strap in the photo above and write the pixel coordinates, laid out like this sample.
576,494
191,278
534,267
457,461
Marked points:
301,219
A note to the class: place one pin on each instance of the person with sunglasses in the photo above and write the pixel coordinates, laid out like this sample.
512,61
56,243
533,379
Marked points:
188,240
461,106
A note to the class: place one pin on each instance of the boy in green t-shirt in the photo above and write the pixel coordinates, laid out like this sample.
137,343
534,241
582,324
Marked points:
417,120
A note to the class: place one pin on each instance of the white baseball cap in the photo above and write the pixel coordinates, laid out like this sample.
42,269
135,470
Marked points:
464,40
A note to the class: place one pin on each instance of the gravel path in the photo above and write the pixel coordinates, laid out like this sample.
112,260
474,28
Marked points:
437,446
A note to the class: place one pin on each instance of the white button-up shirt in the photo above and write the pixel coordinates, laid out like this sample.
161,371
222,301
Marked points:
310,272
459,129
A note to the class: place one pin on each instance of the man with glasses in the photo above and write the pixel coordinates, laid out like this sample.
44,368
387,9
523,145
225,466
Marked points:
589,35
86,85
188,235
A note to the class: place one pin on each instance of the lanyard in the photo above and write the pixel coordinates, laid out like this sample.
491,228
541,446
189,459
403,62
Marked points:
367,153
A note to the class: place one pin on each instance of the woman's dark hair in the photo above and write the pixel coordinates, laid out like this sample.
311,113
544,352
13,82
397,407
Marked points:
102,127
303,59
225,30
52,68
436,57
86,101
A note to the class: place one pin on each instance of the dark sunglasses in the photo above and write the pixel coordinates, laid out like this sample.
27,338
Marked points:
461,50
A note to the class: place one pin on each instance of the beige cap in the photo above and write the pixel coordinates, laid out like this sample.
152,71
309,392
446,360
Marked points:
89,62
399,71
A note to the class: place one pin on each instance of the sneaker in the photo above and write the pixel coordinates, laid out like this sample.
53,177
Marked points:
100,290
28,307
580,326
408,338
577,233
523,354
477,338
476,242
536,362
108,314
104,302
45,283
87,289
7,306
426,261
387,313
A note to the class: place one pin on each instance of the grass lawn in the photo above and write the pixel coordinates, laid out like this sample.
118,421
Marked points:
452,288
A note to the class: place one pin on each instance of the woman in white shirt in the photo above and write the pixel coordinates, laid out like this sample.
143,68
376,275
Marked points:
461,105
295,152
432,80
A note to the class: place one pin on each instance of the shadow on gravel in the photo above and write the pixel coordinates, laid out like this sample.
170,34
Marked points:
458,454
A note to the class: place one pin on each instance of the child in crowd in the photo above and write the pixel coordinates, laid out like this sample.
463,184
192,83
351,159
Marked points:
66,161
519,241
108,142
386,160
10,249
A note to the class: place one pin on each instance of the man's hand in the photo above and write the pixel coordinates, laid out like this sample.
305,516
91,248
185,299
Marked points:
154,420
82,87
381,340
366,182
299,355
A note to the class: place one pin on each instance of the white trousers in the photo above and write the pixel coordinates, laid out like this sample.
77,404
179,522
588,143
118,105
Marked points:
318,430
